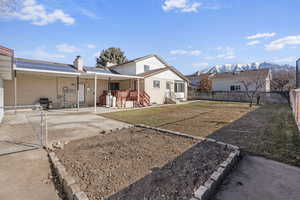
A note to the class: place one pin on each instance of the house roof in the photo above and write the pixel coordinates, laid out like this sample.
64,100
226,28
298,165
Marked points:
142,58
263,73
44,66
159,70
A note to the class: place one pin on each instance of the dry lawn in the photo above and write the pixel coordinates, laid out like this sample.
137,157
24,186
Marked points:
199,118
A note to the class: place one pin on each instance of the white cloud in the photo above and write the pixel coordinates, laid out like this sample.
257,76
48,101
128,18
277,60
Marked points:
181,5
260,35
285,60
88,13
41,53
203,64
37,14
67,48
185,52
252,43
91,46
227,52
281,43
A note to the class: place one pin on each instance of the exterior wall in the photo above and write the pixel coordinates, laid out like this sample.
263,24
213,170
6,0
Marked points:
152,62
62,91
128,69
134,68
158,95
1,99
219,84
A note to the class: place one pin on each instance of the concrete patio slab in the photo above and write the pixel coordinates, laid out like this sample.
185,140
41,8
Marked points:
259,178
26,176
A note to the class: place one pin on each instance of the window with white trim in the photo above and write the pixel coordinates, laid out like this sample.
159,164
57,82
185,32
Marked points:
146,68
179,86
156,84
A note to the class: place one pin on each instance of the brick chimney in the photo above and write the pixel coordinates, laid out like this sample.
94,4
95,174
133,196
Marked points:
78,63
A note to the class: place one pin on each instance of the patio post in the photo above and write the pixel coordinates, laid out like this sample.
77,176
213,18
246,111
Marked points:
15,89
95,93
138,90
77,82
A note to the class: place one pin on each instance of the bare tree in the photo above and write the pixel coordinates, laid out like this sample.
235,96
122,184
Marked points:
283,83
253,86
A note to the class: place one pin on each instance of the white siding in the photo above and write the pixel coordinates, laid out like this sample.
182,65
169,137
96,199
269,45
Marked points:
222,84
1,99
127,69
157,95
153,62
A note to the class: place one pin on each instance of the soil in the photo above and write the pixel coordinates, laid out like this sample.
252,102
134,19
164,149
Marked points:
140,163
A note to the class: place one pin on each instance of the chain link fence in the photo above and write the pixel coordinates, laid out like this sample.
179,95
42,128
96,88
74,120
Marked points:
23,128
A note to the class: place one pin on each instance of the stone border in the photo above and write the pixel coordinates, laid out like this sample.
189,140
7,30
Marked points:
206,190
69,186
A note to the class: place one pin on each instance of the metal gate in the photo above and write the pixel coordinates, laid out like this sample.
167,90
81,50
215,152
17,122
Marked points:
23,128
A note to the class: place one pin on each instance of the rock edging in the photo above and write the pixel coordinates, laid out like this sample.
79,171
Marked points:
69,186
209,187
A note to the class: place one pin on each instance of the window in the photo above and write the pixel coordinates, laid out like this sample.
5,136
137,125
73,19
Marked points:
114,86
179,86
235,88
146,68
156,84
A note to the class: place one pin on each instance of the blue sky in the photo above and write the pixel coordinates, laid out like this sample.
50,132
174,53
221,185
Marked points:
189,34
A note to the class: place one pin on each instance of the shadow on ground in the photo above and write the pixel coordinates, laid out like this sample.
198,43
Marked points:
269,131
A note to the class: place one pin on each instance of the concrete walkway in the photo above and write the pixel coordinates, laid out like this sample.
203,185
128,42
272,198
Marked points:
258,178
26,176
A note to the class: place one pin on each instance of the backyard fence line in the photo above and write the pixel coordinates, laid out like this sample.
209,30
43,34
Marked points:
239,96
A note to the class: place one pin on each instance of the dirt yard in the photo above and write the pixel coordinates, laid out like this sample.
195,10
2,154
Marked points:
141,164
265,130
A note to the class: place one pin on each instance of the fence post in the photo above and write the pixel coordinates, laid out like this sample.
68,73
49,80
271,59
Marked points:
46,130
41,134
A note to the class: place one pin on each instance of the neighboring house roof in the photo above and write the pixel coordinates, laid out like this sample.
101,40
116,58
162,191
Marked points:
38,65
159,70
142,58
258,73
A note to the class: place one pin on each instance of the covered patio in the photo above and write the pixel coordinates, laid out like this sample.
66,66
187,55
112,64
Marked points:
63,86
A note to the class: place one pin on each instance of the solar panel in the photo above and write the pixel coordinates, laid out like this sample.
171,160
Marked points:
44,66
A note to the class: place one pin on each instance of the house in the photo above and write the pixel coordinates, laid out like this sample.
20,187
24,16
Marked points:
160,80
238,81
142,82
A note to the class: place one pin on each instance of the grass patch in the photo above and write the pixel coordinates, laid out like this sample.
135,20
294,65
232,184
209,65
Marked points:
280,138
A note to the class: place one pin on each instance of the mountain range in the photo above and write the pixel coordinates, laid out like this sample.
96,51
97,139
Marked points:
276,68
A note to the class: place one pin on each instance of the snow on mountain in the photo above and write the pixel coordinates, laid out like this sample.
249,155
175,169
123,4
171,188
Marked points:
243,67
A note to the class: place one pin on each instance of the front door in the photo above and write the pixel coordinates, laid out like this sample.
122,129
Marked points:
81,93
